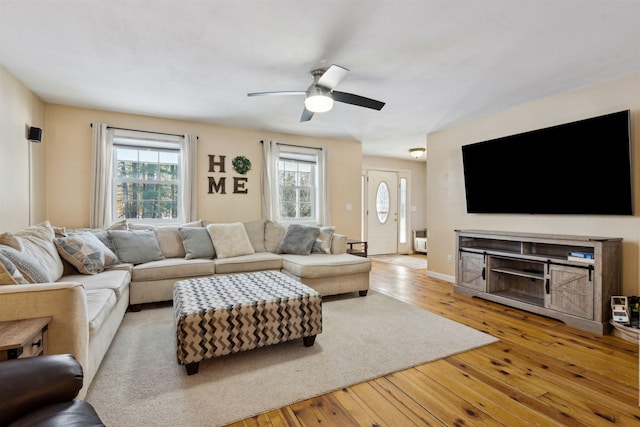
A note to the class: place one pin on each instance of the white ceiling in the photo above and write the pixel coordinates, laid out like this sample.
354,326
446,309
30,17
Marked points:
435,63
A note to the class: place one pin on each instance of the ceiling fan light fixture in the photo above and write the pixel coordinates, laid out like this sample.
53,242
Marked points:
417,152
318,100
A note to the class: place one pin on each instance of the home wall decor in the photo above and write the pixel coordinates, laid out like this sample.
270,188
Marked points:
240,164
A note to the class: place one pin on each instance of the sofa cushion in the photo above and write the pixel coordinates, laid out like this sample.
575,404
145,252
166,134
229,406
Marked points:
85,252
197,243
136,246
119,225
273,235
100,302
117,279
30,268
324,265
170,241
230,240
173,268
322,245
258,261
298,239
37,243
9,273
255,232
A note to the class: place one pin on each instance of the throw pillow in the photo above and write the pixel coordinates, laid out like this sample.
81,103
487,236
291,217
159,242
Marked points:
136,246
230,240
103,236
36,242
29,267
255,231
273,235
197,223
299,239
120,225
170,241
139,226
85,252
9,273
323,241
197,242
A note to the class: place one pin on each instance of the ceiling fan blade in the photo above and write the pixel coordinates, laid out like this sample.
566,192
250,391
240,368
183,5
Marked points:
333,76
306,115
291,92
361,101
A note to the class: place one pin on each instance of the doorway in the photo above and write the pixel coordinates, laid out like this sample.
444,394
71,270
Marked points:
382,212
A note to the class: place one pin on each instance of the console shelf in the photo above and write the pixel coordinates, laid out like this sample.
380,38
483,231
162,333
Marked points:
534,272
522,273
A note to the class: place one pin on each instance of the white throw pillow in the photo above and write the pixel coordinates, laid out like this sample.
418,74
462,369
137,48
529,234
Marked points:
230,240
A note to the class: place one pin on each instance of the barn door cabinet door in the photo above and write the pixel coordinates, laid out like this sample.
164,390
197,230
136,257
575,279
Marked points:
472,271
571,291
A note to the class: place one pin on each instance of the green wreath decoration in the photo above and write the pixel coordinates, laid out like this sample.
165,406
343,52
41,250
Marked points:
241,164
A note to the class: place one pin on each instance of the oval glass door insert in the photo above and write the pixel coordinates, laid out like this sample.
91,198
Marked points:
382,202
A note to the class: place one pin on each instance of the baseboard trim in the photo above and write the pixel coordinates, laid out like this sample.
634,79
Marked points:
441,276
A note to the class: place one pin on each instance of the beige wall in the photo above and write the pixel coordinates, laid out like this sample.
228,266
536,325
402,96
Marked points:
19,109
68,171
418,170
446,209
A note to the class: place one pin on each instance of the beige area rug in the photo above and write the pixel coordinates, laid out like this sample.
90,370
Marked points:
141,384
413,262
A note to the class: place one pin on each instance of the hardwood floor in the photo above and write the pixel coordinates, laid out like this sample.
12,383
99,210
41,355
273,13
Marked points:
541,372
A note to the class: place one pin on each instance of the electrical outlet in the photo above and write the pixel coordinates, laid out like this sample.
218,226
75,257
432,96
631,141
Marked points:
448,259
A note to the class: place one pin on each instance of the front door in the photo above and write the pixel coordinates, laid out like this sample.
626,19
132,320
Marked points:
382,212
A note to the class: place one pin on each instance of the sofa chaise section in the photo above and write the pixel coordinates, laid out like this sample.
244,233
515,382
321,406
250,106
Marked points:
329,274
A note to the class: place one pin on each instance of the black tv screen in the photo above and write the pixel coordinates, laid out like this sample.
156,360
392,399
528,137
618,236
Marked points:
582,167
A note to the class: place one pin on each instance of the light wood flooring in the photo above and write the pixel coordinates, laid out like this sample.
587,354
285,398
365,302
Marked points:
541,372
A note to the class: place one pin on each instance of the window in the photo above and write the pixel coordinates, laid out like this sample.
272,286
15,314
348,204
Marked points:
146,177
300,186
402,237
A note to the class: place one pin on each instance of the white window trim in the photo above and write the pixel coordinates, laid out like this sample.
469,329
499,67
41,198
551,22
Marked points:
272,155
157,142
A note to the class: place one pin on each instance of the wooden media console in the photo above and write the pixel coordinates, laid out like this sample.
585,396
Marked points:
535,272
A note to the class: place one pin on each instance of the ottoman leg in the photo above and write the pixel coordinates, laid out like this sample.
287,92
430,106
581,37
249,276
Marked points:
308,341
192,368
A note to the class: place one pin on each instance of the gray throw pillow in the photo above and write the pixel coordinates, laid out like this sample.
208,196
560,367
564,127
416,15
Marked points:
197,243
299,239
32,270
136,246
9,273
103,236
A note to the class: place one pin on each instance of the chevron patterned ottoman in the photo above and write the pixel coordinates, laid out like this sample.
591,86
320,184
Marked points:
215,316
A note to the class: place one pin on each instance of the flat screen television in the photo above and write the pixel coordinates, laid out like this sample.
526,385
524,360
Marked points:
582,167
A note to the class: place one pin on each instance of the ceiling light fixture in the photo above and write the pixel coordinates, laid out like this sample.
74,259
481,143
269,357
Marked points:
417,152
318,99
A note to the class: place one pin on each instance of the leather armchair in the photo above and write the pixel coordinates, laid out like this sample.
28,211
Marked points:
39,391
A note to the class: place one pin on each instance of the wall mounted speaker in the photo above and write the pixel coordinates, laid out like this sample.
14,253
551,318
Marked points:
35,134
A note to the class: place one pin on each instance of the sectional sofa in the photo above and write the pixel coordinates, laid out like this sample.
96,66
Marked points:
87,279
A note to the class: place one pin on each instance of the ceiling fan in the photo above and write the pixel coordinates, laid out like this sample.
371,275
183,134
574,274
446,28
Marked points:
320,95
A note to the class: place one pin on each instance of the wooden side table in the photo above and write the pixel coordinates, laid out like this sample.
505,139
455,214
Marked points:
23,338
361,248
